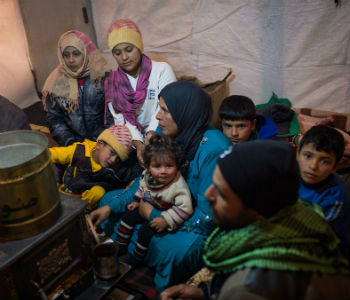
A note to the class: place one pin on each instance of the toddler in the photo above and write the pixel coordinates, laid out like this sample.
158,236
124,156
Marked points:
163,186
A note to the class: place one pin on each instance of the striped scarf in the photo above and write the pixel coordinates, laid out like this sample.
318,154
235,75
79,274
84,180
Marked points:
295,239
125,100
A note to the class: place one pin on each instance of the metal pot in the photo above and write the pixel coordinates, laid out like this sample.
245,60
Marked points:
106,262
29,199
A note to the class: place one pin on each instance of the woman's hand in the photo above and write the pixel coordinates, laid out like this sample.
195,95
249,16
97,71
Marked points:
140,147
145,209
159,224
99,215
182,291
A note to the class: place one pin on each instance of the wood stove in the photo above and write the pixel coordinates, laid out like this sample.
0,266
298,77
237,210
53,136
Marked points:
53,264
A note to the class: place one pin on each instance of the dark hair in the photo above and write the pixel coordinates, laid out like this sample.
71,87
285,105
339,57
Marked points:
326,139
237,107
161,146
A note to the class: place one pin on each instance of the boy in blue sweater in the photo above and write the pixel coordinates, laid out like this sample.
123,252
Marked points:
319,152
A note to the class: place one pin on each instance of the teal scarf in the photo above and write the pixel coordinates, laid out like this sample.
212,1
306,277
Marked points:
296,238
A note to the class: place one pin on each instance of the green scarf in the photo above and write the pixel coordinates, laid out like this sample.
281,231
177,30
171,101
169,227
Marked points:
296,238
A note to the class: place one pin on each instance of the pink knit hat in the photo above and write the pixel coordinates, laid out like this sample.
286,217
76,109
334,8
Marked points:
119,138
124,31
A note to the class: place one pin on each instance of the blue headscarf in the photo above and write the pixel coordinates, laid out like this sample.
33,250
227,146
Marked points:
190,107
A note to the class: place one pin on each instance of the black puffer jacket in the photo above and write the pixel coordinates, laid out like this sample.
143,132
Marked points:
87,122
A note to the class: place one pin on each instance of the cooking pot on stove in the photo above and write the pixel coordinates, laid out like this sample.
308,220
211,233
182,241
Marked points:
29,199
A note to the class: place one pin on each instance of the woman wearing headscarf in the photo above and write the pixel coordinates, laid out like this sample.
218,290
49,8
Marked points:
132,90
185,113
73,94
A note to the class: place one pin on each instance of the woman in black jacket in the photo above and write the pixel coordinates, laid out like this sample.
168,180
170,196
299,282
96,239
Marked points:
73,94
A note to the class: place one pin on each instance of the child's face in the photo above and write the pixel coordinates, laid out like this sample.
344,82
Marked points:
105,155
315,166
73,58
163,169
238,131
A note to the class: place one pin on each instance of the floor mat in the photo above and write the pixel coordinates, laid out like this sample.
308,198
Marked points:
137,284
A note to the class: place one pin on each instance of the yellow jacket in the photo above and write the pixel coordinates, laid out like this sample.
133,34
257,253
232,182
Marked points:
64,155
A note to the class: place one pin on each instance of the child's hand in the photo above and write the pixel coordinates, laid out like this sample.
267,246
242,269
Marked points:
133,205
159,224
93,195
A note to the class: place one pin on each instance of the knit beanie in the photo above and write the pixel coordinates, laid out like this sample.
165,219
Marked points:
124,31
119,138
263,173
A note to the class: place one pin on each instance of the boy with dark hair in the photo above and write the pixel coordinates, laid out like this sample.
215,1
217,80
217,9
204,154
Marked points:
319,152
240,123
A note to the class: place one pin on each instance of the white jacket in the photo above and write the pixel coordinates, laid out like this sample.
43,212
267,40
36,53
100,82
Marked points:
160,76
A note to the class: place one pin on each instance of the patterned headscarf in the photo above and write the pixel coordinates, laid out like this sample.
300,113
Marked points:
62,82
190,107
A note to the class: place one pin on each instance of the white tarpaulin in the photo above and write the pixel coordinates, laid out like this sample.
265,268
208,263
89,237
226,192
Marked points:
298,49
16,79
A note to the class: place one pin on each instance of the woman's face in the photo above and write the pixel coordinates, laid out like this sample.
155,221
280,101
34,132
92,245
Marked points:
73,58
128,58
166,122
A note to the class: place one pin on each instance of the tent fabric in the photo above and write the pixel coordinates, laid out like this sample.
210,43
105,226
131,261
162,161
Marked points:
298,49
16,79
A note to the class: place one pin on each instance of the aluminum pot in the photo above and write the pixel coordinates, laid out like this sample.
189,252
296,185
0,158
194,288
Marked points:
29,199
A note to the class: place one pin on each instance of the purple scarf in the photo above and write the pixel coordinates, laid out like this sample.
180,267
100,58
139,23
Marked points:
125,100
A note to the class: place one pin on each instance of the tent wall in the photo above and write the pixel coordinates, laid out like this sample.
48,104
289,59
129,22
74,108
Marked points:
298,49
16,79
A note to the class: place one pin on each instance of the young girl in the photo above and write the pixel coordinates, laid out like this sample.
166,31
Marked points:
163,186
73,94
132,90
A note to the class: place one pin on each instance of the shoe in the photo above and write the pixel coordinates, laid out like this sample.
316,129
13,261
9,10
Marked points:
130,260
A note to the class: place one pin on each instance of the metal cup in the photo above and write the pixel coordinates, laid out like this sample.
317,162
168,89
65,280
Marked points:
106,262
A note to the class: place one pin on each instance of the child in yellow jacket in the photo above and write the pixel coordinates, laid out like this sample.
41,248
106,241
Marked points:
89,172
